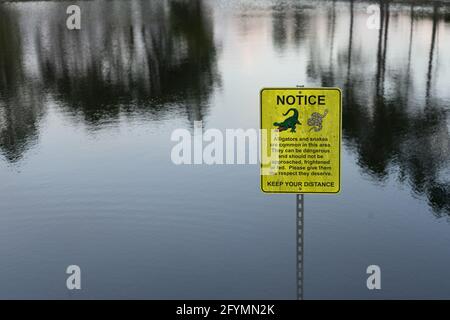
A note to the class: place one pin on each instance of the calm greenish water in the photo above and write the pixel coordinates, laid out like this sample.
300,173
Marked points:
86,176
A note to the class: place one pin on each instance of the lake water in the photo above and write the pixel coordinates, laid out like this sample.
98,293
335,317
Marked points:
86,176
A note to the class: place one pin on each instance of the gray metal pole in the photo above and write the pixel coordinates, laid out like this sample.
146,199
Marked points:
300,209
300,212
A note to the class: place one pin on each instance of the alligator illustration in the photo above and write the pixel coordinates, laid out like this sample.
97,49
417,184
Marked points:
288,123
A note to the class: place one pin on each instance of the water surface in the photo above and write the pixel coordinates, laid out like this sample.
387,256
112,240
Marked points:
85,169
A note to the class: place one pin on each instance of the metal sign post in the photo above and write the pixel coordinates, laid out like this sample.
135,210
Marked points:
306,148
300,209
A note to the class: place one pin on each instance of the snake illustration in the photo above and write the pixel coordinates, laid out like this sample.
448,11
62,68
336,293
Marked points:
315,121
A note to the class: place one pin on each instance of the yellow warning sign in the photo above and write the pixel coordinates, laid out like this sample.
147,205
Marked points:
300,140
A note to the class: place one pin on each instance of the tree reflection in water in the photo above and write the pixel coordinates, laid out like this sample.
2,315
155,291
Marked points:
144,56
135,60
